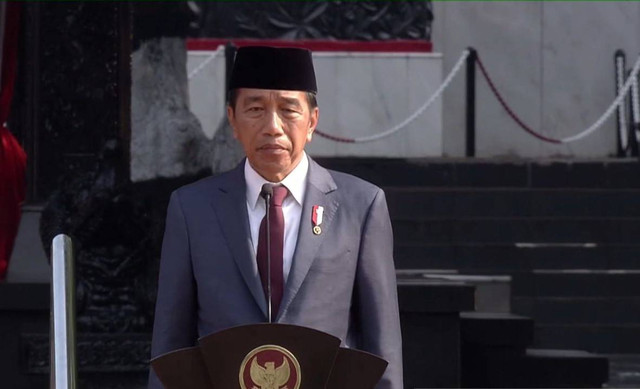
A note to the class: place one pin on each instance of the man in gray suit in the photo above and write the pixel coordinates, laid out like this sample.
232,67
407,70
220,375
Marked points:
334,269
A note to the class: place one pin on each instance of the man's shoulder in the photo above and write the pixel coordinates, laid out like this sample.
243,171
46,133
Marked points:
346,180
206,185
357,194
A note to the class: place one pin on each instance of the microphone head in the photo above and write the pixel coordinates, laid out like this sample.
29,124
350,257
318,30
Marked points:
267,190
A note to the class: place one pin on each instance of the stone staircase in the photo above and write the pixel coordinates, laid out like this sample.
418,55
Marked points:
575,268
567,234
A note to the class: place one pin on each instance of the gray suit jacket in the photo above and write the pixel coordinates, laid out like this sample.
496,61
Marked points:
341,281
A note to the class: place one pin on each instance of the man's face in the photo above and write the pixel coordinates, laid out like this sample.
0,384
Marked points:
273,127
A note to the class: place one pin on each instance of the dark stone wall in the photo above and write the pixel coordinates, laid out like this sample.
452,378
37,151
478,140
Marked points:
335,19
71,112
78,88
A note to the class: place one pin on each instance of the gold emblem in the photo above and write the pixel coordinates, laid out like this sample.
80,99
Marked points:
317,230
270,367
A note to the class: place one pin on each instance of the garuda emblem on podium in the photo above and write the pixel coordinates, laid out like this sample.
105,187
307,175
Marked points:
270,367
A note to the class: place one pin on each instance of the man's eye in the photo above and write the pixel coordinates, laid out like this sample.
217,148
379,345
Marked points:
254,109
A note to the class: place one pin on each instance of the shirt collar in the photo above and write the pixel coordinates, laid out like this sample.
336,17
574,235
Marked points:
296,181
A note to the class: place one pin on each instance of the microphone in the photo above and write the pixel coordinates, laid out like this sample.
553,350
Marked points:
267,190
266,194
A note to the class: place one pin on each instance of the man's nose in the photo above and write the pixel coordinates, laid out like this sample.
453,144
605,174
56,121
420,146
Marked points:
274,124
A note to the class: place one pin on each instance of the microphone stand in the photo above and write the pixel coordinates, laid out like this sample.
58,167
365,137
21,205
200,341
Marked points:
267,193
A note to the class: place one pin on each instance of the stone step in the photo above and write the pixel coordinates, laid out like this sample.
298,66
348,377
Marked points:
533,368
586,309
410,203
609,339
577,283
439,296
574,231
496,329
565,368
611,173
579,310
492,293
509,257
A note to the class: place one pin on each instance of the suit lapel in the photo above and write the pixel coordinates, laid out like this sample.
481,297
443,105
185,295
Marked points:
229,203
320,188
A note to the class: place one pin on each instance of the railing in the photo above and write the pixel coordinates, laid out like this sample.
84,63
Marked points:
64,373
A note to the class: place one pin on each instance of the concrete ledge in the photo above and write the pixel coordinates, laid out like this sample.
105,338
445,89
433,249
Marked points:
435,296
15,296
28,261
492,292
496,329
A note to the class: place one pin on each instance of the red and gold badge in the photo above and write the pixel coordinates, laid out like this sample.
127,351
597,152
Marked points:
270,367
317,213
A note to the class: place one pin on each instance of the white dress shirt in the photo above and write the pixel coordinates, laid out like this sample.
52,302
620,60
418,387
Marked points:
296,183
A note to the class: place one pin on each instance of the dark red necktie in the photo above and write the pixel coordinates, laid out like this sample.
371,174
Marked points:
276,227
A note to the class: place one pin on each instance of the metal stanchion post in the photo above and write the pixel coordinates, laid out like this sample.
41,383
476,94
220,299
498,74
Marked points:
634,108
63,324
471,103
634,117
230,55
619,60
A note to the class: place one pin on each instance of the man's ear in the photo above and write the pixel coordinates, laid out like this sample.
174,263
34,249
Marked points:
313,123
231,116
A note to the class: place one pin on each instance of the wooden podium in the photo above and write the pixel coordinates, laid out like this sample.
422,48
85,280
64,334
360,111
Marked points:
268,356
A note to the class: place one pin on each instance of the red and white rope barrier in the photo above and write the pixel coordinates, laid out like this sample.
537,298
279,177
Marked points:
454,71
206,62
597,124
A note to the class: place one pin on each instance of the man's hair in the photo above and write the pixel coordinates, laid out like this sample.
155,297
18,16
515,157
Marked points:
232,98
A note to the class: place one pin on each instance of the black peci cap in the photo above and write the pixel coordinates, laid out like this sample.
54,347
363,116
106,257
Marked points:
263,67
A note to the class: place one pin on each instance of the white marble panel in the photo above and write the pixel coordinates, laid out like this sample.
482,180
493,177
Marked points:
360,94
363,94
507,36
578,83
553,63
206,72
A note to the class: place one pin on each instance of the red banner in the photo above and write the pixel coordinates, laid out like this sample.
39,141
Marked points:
391,46
13,159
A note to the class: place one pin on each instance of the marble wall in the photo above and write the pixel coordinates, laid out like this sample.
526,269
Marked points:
552,61
206,71
357,98
365,94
